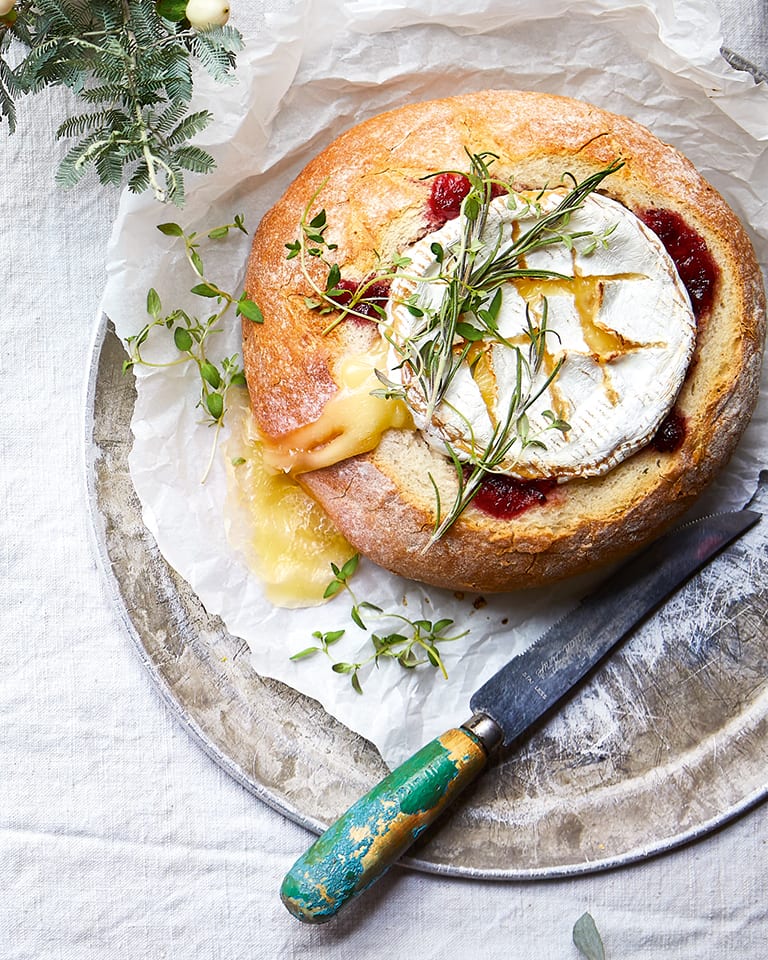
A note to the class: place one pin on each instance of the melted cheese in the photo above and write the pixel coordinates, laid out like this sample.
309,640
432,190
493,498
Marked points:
287,539
621,324
351,423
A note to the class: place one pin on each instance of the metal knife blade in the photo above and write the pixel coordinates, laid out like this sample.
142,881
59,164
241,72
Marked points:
378,829
532,683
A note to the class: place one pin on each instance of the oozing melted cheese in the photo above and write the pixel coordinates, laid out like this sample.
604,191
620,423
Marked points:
622,325
287,539
351,423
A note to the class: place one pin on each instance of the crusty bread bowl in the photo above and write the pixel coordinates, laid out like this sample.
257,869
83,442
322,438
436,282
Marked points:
371,185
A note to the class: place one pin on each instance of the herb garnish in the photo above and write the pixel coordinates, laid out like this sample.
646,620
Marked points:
416,642
190,333
451,327
311,243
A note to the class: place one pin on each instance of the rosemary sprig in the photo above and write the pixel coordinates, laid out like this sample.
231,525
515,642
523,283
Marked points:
471,280
191,334
472,273
415,642
513,430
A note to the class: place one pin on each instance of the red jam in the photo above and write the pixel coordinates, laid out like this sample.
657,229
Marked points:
448,190
504,497
694,263
376,295
671,433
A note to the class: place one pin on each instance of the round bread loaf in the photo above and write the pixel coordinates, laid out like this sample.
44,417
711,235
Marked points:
370,182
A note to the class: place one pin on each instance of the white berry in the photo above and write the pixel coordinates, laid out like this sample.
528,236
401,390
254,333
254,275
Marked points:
204,13
6,6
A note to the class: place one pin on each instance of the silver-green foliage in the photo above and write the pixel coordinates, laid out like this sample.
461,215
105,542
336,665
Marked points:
132,69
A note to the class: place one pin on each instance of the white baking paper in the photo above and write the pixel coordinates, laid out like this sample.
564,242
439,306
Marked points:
318,71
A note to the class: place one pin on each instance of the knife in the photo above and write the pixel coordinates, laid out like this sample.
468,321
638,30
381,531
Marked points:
379,828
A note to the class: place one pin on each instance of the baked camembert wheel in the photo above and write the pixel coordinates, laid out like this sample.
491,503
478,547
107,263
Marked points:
507,337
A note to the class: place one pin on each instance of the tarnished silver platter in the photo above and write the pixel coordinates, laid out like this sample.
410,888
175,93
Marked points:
668,741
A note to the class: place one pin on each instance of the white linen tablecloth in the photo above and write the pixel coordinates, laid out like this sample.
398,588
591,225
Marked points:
119,837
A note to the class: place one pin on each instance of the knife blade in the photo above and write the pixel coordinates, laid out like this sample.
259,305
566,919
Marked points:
378,829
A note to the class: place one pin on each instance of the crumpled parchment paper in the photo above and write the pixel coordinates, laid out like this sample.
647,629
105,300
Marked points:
319,70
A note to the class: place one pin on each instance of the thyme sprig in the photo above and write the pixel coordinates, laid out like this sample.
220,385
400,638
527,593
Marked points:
311,244
191,333
413,644
132,68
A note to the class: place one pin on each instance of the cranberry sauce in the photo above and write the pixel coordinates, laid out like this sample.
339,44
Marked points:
694,262
671,433
448,190
376,295
504,497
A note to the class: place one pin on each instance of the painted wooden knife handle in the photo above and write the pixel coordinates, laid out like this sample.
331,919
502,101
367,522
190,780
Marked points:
376,830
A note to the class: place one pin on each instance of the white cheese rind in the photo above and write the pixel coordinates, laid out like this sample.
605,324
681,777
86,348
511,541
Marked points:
623,328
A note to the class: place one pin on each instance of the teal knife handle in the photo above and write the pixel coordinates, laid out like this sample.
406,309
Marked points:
376,830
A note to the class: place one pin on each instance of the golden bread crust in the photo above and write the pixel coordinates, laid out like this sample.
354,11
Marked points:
376,201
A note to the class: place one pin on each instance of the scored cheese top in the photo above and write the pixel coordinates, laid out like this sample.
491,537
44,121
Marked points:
622,325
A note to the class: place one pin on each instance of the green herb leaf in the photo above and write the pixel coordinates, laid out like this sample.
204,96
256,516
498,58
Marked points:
183,339
205,290
355,614
318,222
197,262
154,307
215,404
334,276
349,567
210,374
303,654
332,589
170,229
469,333
248,309
587,939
